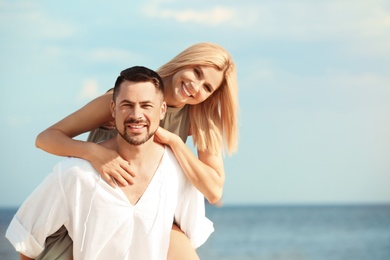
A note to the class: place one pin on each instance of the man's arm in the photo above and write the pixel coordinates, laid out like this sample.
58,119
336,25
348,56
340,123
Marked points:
40,215
191,218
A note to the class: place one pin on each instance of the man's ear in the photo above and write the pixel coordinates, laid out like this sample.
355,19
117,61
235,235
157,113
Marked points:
163,110
112,106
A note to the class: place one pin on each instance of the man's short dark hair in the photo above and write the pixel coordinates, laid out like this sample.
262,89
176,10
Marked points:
139,74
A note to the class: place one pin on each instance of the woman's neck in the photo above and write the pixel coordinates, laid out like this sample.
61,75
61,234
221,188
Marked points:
169,95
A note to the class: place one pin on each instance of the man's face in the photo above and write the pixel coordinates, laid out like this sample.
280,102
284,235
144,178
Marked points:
137,111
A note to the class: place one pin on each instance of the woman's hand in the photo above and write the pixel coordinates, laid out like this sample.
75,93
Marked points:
111,165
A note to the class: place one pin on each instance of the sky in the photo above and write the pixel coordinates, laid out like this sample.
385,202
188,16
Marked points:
314,87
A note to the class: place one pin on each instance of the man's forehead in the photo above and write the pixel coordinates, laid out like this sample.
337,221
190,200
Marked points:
139,87
137,91
145,84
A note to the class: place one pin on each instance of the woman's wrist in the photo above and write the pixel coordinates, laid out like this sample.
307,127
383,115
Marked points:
174,140
90,150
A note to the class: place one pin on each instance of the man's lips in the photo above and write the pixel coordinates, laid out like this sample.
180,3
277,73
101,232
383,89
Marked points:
136,124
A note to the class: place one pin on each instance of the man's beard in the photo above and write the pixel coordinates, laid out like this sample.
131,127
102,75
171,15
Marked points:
133,140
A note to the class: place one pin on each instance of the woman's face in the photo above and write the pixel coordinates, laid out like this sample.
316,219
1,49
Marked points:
194,85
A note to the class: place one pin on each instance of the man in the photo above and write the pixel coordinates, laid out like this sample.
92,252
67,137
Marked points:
131,222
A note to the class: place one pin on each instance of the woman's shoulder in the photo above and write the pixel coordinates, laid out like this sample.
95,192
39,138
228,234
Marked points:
177,121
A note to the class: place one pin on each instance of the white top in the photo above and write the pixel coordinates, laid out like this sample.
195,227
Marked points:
100,219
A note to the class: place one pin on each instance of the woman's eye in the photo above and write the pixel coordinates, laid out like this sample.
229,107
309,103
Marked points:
207,88
197,72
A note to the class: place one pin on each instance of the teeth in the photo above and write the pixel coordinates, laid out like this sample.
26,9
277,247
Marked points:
136,126
186,91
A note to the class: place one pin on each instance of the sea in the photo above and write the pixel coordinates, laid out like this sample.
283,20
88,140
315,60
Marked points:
339,232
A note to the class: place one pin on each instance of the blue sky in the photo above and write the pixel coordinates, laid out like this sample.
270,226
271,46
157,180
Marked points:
314,86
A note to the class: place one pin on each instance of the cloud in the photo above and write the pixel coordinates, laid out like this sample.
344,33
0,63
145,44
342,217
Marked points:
311,20
334,90
17,121
266,74
212,16
112,55
28,18
300,20
89,90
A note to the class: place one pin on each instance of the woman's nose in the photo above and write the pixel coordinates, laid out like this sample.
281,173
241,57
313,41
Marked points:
196,86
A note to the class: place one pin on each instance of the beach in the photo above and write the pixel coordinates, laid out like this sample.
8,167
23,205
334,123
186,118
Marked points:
343,232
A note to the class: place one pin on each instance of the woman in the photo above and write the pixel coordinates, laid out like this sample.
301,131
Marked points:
201,92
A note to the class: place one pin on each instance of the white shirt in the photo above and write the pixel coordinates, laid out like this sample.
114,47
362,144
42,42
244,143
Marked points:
100,219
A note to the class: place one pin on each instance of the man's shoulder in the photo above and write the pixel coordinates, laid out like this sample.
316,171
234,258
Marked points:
171,165
170,159
72,167
74,163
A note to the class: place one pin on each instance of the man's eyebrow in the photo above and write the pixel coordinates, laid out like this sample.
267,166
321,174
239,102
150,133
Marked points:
126,101
147,103
144,102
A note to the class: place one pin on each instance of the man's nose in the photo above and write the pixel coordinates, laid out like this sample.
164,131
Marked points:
136,112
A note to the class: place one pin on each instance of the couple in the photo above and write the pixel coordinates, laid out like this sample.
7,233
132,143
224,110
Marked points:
126,222
201,96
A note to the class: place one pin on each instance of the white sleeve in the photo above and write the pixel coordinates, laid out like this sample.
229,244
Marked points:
191,218
40,215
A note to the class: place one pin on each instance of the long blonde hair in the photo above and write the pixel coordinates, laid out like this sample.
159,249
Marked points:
214,122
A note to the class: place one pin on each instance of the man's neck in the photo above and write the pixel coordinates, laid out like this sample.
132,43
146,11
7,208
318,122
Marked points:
136,155
144,160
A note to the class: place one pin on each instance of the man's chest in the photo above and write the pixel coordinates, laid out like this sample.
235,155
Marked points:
135,191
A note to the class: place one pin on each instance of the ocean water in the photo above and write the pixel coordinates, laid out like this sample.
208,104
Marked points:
283,233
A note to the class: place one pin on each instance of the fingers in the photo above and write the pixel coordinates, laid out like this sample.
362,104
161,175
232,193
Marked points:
114,169
128,169
109,180
121,177
118,170
124,174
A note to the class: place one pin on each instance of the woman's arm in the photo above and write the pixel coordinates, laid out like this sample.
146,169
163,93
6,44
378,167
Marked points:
57,140
206,173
